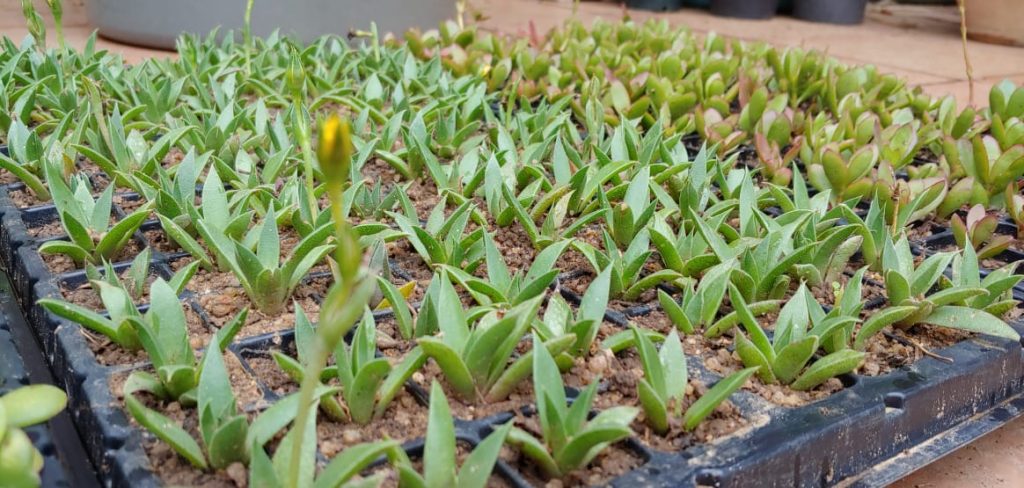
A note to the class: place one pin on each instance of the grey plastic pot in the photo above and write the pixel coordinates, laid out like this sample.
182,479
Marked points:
848,12
655,5
745,9
157,23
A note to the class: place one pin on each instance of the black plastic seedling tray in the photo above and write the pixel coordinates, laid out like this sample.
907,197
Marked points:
65,463
870,430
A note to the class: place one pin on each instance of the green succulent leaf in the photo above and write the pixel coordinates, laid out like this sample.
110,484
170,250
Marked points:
32,404
169,432
714,397
830,366
972,320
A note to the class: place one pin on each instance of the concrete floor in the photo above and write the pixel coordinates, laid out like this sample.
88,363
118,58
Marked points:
920,44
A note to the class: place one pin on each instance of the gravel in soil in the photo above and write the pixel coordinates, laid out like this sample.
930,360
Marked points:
6,177
222,297
924,229
107,352
725,421
404,257
159,241
49,229
205,281
894,348
131,203
390,341
225,305
870,290
271,376
515,248
24,198
464,409
404,420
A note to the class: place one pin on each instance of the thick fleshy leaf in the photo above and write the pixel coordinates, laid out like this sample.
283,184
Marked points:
399,306
228,443
714,397
169,320
304,467
88,319
585,445
752,357
878,321
592,307
549,391
732,319
750,324
169,432
972,320
951,296
835,364
74,251
497,270
451,364
793,357
654,373
363,393
477,468
675,312
215,396
654,407
452,317
673,362
32,404
928,272
534,450
521,368
484,349
187,242
117,237
78,232
261,470
439,450
768,280
226,334
897,287
532,289
278,416
595,298
21,462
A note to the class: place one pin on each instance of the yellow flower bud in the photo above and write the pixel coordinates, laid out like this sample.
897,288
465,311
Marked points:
334,150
